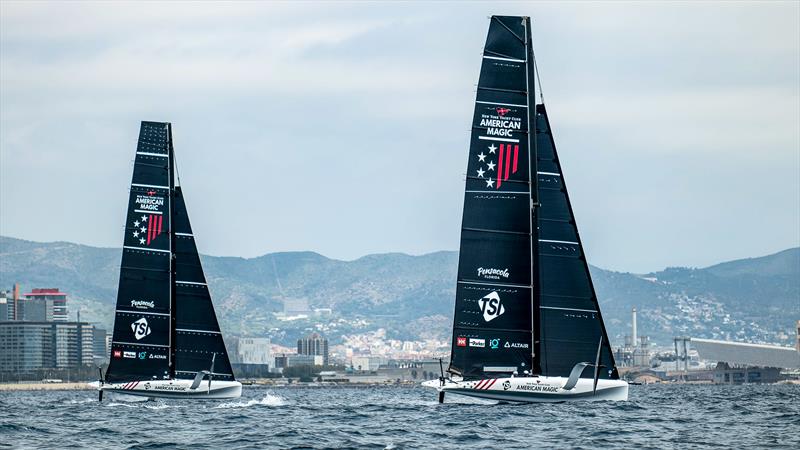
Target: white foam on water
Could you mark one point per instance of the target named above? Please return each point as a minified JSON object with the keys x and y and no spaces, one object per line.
{"x":121,"y":404}
{"x":86,"y":400}
{"x":268,"y":400}
{"x":158,"y":405}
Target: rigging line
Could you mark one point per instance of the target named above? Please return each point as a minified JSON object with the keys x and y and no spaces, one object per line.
{"x":175,"y":165}
{"x":536,"y":70}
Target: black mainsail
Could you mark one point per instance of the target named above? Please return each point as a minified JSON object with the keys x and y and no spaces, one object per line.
{"x":164,"y":324}
{"x":522,"y":304}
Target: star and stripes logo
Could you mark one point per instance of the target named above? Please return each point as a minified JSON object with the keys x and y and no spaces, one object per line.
{"x":146,"y":227}
{"x":507,"y":156}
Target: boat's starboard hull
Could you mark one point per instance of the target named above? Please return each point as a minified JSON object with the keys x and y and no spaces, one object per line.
{"x":177,"y":389}
{"x":534,"y":389}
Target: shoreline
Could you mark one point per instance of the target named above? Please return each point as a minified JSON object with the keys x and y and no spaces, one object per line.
{"x":39,"y":386}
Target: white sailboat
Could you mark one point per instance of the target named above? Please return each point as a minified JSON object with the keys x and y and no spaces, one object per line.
{"x":167,"y":341}
{"x":527,"y":324}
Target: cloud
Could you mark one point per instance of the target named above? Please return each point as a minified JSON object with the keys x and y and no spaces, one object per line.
{"x":349,"y":122}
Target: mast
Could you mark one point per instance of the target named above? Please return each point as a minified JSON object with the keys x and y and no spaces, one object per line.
{"x":172,"y":269}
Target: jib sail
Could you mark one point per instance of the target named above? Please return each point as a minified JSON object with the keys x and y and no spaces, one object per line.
{"x":140,"y":347}
{"x":492,"y":324}
{"x":198,"y":340}
{"x":571,"y":325}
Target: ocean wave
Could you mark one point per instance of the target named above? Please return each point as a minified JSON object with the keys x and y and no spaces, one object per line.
{"x":268,"y":400}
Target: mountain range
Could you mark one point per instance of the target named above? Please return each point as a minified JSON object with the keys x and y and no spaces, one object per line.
{"x":411,"y":297}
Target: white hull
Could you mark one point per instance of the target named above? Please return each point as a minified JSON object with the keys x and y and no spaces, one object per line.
{"x":177,"y":389}
{"x":534,"y":389}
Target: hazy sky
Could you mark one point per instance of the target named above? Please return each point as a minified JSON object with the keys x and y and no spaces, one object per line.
{"x":344,"y":128}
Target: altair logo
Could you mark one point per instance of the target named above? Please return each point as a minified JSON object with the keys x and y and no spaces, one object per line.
{"x":491,"y":307}
{"x":140,"y":329}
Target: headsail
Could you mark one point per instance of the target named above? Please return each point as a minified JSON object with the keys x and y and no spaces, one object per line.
{"x":571,"y":324}
{"x":492,"y":325}
{"x":142,"y":330}
{"x":198,"y":340}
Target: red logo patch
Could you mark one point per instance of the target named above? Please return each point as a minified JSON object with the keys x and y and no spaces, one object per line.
{"x":117,"y":353}
{"x":502,"y":111}
{"x":461,"y":341}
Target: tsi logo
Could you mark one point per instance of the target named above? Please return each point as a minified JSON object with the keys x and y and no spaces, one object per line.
{"x":491,"y":306}
{"x":140,"y":329}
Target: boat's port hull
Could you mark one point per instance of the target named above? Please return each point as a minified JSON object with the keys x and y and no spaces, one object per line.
{"x":535,"y":389}
{"x":177,"y":389}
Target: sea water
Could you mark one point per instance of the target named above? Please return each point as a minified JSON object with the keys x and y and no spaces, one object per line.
{"x":657,"y":416}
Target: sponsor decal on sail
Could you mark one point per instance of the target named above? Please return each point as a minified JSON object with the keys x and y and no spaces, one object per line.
{"x":516,"y":345}
{"x":150,"y":202}
{"x":475,"y":342}
{"x":117,"y":353}
{"x":497,"y":161}
{"x":127,"y":354}
{"x":461,"y":341}
{"x":491,"y":306}
{"x":494,"y":343}
{"x":142,"y":304}
{"x":492,"y":273}
{"x":150,"y":224}
{"x":141,"y":329}
{"x":494,"y":173}
{"x":156,"y":356}
{"x":142,"y":355}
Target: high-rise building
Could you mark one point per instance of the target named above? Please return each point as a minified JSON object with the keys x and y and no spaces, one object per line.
{"x":100,"y":348}
{"x":314,"y":345}
{"x":255,"y":351}
{"x":49,"y":296}
{"x":36,"y":310}
{"x":11,"y":297}
{"x":4,"y":312}
{"x":26,"y":346}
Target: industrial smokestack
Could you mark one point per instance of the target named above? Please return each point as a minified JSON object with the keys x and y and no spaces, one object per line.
{"x":634,"y":337}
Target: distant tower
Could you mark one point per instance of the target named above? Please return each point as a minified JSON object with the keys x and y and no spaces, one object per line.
{"x":798,"y":336}
{"x":17,"y":315}
{"x":634,"y":339}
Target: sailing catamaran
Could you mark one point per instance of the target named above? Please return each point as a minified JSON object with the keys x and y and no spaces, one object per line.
{"x":166,"y":338}
{"x":527,"y":321}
